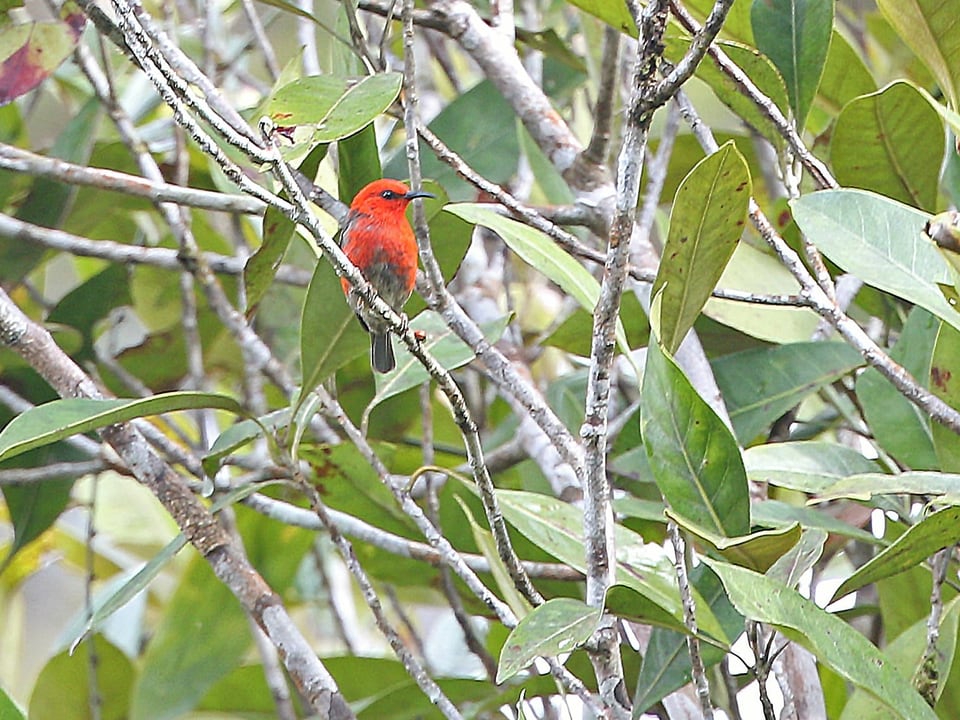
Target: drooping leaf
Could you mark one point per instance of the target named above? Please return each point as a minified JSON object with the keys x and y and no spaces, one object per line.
{"x":760,"y":385}
{"x":900,"y":427}
{"x":33,"y":508}
{"x":920,"y":541}
{"x":830,"y":639}
{"x":241,"y":433}
{"x":556,"y":627}
{"x":880,"y":241}
{"x":615,"y":14}
{"x":927,"y":27}
{"x":358,"y":162}
{"x":874,"y":145}
{"x":693,"y":455}
{"x":790,"y":567}
{"x":809,"y":466}
{"x":795,"y":35}
{"x":61,"y":419}
{"x":845,"y":76}
{"x":757,"y":550}
{"x":864,"y":486}
{"x":708,"y":217}
{"x":335,"y":106}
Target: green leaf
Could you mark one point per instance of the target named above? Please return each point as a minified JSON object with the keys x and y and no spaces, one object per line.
{"x":774,"y":513}
{"x":241,"y":433}
{"x":8,"y":708}
{"x":335,"y":106}
{"x":358,"y":162}
{"x":62,"y":690}
{"x":901,"y":428}
{"x":645,"y":568}
{"x":261,"y":267}
{"x":488,"y":142}
{"x":892,"y":163}
{"x":694,"y":457}
{"x":757,"y":550}
{"x":33,"y":509}
{"x":202,"y":636}
{"x":736,"y":26}
{"x":945,"y":384}
{"x":666,"y":662}
{"x":792,"y":565}
{"x":805,"y":466}
{"x":906,"y":653}
{"x":558,"y":626}
{"x":758,"y":68}
{"x":880,"y":241}
{"x":867,"y":485}
{"x":927,"y":27}
{"x":707,"y":219}
{"x":30,"y":52}
{"x":844,"y":77}
{"x":615,"y":14}
{"x":760,"y":385}
{"x":834,"y":642}
{"x":935,"y":532}
{"x":795,"y":35}
{"x":441,"y":342}
{"x":330,"y":335}
{"x":574,"y":333}
{"x":488,"y":546}
{"x":753,"y":270}
{"x":61,"y":419}
{"x":541,"y":253}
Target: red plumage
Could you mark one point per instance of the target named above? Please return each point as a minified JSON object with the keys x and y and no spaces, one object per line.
{"x":378,"y":239}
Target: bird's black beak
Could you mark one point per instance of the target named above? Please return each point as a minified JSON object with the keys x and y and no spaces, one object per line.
{"x":418,"y":194}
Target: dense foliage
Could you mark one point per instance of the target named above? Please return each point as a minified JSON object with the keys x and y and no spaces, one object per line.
{"x":674,"y":425}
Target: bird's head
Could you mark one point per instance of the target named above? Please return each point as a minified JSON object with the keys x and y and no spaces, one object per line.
{"x":385,"y":197}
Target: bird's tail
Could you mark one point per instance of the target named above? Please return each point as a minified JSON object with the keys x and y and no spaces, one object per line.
{"x":381,"y":352}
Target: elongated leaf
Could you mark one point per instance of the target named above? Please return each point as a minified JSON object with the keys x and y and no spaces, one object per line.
{"x":694,"y":457}
{"x":795,"y":35}
{"x":867,"y":485}
{"x":760,"y":385}
{"x":558,"y":626}
{"x":830,"y":639}
{"x":239,"y":434}
{"x":880,"y":241}
{"x":945,"y":384}
{"x":906,"y":653}
{"x":330,"y":335}
{"x":928,"y":28}
{"x":774,"y":513}
{"x":758,"y":67}
{"x":805,"y":466}
{"x":792,"y":565}
{"x":666,"y":662}
{"x":33,"y":508}
{"x":261,"y":267}
{"x":441,"y":342}
{"x":488,"y":546}
{"x":336,"y":107}
{"x":708,"y":216}
{"x":901,"y":428}
{"x":892,"y":163}
{"x":61,"y":419}
{"x":922,"y":540}
{"x":615,"y":14}
{"x":538,"y":251}
{"x":844,"y":77}
{"x":645,"y":568}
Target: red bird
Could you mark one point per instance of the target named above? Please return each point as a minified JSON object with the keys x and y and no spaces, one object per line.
{"x":379,"y":241}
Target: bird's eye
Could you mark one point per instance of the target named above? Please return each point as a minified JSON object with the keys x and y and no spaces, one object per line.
{"x":388,"y":195}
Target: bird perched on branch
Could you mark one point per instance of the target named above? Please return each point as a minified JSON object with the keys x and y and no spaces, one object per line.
{"x":378,"y":239}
